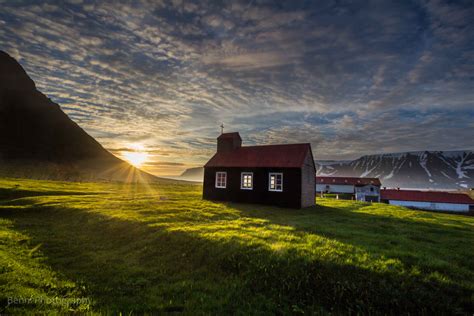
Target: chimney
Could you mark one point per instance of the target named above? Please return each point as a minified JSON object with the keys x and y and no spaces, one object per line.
{"x":228,"y":142}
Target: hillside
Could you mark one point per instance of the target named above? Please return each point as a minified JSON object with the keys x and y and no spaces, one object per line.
{"x":424,"y":169}
{"x":160,"y":248}
{"x":37,"y":139}
{"x":193,"y":174}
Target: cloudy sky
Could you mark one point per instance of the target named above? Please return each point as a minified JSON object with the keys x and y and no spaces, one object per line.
{"x":350,"y":77}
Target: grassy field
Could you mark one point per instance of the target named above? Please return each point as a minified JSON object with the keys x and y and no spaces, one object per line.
{"x":160,"y":248}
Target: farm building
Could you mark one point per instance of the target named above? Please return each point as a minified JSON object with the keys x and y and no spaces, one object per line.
{"x":361,"y":189}
{"x":429,"y":200}
{"x":281,"y":175}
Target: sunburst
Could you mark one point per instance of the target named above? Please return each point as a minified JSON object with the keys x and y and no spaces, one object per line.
{"x":137,"y":156}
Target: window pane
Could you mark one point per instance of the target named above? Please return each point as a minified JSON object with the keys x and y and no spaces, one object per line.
{"x":275,"y":182}
{"x":247,"y":181}
{"x":221,"y":178}
{"x":272,"y":182}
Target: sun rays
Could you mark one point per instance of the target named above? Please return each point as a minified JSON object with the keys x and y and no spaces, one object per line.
{"x":137,"y":157}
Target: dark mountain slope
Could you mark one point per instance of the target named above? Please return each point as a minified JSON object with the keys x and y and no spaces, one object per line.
{"x":13,"y":76}
{"x":38,"y":139}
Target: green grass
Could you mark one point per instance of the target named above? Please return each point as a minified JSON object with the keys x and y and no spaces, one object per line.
{"x":161,"y":248}
{"x":342,"y":196}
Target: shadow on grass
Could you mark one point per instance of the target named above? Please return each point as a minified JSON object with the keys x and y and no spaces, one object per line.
{"x":16,"y":193}
{"x":413,"y":240}
{"x":348,"y":220}
{"x":130,"y":266}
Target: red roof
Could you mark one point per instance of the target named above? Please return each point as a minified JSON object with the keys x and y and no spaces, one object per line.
{"x":271,"y":156}
{"x":426,"y":196}
{"x":348,"y":180}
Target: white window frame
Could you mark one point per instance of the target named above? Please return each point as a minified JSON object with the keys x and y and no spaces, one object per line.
{"x":242,"y":174}
{"x":218,"y":173}
{"x":270,"y":183}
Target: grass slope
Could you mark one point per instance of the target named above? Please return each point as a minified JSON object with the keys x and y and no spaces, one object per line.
{"x":139,"y":248}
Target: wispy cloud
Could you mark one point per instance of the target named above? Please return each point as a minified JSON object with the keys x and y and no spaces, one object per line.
{"x":165,"y":74}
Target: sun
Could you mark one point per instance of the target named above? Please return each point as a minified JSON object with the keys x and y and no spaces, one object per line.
{"x":137,"y":157}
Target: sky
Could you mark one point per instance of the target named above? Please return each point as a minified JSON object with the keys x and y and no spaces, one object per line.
{"x":350,"y":77}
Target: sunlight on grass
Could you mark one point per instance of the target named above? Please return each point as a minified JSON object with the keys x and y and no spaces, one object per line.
{"x":159,"y":246}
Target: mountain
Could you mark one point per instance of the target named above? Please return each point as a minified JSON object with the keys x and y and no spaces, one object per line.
{"x":423,"y":169}
{"x":193,"y":174}
{"x":37,"y":139}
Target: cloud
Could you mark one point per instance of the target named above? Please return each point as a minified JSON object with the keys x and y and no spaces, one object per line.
{"x":167,"y":74}
{"x":251,"y":61}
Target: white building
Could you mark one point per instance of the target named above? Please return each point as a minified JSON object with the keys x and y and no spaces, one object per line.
{"x":429,"y":200}
{"x":361,"y":189}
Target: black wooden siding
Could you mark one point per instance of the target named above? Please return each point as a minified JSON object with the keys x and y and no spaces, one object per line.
{"x":290,"y":197}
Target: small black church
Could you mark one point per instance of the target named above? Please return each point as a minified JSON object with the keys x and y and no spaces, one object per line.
{"x":282,"y":175}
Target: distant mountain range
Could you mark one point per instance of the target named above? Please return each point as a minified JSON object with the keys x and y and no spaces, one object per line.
{"x":38,"y":140}
{"x":423,"y":169}
{"x":193,"y":174}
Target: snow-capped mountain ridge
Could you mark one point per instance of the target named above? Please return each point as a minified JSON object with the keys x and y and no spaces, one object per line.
{"x":418,"y":169}
{"x":452,"y":154}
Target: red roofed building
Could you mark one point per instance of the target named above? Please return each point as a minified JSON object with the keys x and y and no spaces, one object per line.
{"x":429,"y":200}
{"x":280,"y":175}
{"x":361,"y":189}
